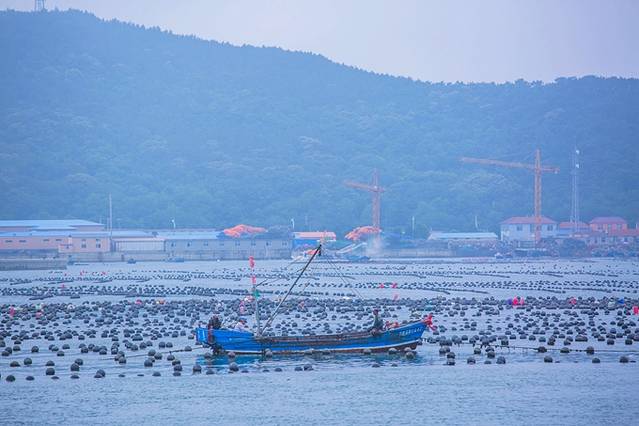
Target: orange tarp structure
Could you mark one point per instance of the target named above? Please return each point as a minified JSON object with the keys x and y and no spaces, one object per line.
{"x":241,"y":230}
{"x":362,"y":232}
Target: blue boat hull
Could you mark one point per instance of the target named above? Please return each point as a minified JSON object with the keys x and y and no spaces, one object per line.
{"x":240,"y":342}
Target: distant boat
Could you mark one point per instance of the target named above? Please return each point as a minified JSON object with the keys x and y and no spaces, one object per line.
{"x":357,"y":259}
{"x":242,"y":342}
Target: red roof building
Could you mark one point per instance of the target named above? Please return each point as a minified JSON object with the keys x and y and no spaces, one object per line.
{"x":568,"y":225}
{"x":527,"y":220}
{"x":624,"y":236}
{"x":608,"y":223}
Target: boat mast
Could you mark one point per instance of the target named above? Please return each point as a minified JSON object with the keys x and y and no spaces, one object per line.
{"x":255,"y":296}
{"x":317,"y":251}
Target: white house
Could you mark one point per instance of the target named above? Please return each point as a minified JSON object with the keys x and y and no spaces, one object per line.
{"x":522,"y":229}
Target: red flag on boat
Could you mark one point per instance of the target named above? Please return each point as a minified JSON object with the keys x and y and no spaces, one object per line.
{"x":429,"y":322}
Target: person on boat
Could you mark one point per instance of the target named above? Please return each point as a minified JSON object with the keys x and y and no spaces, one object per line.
{"x":241,"y":325}
{"x":378,"y":324}
{"x":215,"y":323}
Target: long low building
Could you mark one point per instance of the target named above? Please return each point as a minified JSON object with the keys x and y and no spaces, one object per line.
{"x":52,"y":236}
{"x":138,"y":244}
{"x":214,"y":245}
{"x":78,"y":240}
{"x":487,"y":238}
{"x":54,"y":241}
{"x":65,"y":225}
{"x":313,"y":238}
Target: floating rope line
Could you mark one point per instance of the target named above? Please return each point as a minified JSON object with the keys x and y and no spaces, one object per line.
{"x":536,"y":348}
{"x":341,"y":276}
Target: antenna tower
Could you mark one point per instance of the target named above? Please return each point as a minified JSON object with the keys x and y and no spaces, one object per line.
{"x":38,"y":6}
{"x":574,"y":207}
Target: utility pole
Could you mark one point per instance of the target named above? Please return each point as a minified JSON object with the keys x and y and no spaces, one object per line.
{"x":574,"y":208}
{"x":413,"y":226}
{"x":110,"y":224}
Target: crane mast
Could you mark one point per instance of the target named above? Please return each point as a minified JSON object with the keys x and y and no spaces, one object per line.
{"x":376,"y":194}
{"x":537,"y":168}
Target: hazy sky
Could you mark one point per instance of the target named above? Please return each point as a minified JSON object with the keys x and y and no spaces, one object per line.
{"x":435,"y":40}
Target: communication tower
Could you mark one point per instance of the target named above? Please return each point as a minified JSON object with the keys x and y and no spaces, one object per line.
{"x":574,"y":207}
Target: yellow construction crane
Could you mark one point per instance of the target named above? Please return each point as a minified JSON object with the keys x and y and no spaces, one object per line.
{"x":536,"y":168}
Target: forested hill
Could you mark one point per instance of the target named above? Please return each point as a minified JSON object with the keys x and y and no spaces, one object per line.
{"x":212,"y":135}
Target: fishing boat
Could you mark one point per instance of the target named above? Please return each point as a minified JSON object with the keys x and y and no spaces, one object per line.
{"x":240,"y":342}
{"x":243,"y":342}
